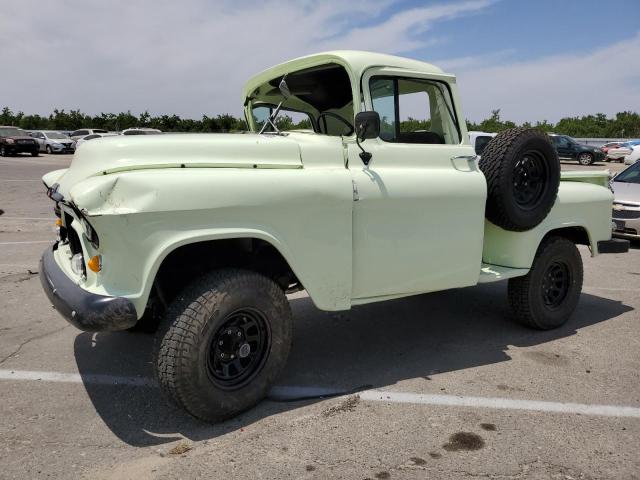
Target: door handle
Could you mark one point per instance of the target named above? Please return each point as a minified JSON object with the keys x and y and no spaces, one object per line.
{"x":464,"y":163}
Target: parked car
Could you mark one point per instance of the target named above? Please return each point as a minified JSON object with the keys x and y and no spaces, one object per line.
{"x":14,"y":140}
{"x":141,"y":131}
{"x":53,"y":142}
{"x":619,"y":153}
{"x":94,"y":136}
{"x":608,"y":146}
{"x":203,"y":235}
{"x":569,"y":149}
{"x":479,"y":140}
{"x":78,"y":134}
{"x":633,"y":156}
{"x":626,"y":204}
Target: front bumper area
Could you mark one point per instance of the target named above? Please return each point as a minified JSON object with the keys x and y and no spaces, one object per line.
{"x":85,"y":310}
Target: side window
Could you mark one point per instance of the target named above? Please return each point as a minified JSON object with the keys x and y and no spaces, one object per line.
{"x":561,"y":142}
{"x":414,"y":111}
{"x":80,"y":133}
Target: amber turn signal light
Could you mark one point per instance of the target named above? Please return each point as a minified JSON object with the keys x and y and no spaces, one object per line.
{"x":58,"y":222}
{"x":95,"y":263}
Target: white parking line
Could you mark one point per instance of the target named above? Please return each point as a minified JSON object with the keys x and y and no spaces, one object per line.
{"x":27,"y":242}
{"x":42,"y":219}
{"x":291,"y":392}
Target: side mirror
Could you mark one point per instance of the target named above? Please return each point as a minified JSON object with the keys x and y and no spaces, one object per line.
{"x":367,"y":125}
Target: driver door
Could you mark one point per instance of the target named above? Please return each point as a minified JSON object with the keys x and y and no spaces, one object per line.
{"x":418,"y":216}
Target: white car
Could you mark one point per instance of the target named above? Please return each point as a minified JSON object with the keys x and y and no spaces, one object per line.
{"x":633,"y":156}
{"x":141,"y":131}
{"x":622,"y":151}
{"x":83,"y":132}
{"x":93,"y":136}
{"x":479,"y":140}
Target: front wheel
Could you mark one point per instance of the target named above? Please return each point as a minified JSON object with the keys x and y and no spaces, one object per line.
{"x":546,"y":297}
{"x":585,"y":159}
{"x":48,"y":150}
{"x":223,"y":344}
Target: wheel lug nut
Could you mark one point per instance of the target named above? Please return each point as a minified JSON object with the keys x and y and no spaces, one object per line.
{"x":233,"y":356}
{"x":222,"y":355}
{"x":239,"y":334}
{"x":220,"y":343}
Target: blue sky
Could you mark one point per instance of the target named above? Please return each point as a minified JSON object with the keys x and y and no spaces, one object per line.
{"x":533,"y":59}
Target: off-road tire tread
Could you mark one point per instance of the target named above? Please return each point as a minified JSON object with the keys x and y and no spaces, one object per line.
{"x":492,"y":163}
{"x":519,"y":287}
{"x":186,"y":316}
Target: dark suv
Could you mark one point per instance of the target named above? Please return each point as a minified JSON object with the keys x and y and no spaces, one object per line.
{"x":15,"y":140}
{"x":569,"y":149}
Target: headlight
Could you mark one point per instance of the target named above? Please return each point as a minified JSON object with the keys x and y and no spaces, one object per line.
{"x":10,"y":140}
{"x":77,"y":264}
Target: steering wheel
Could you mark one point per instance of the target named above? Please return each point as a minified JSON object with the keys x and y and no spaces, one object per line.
{"x":338,"y":117}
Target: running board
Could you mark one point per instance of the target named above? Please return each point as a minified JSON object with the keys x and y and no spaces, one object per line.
{"x":494,"y":273}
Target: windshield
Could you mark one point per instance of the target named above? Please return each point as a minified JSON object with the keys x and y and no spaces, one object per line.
{"x":630,"y":175}
{"x":12,"y":132}
{"x":56,"y":136}
{"x":319,"y":99}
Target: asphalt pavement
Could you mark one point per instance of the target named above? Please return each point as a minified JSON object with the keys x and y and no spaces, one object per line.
{"x":442,"y":385}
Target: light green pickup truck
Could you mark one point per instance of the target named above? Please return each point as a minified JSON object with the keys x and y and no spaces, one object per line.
{"x":380,"y":196}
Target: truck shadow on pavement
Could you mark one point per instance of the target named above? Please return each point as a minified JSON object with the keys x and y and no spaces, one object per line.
{"x":373,"y":345}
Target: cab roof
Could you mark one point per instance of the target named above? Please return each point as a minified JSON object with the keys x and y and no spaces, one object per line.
{"x":355,"y":62}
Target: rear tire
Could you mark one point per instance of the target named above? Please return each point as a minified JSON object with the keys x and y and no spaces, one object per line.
{"x":225,"y":340}
{"x":35,"y":154}
{"x":546,"y":297}
{"x":523,"y":175}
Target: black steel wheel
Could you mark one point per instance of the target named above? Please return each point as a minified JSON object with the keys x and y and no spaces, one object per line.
{"x":238,"y":349}
{"x":530,"y":180}
{"x":546,"y":297}
{"x":556,"y":281}
{"x":224,"y":341}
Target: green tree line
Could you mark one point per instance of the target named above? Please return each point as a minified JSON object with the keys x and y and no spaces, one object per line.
{"x":623,"y":124}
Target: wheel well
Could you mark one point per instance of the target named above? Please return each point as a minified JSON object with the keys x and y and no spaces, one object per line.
{"x":577,"y":235}
{"x":186,"y":263}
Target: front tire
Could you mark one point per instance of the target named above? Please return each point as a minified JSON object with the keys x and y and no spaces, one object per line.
{"x":546,"y":297}
{"x":48,"y":150}
{"x":3,"y":151}
{"x":224,"y":342}
{"x":585,"y":159}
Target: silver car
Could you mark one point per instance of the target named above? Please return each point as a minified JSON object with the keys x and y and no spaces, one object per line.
{"x":53,"y":142}
{"x":626,"y":204}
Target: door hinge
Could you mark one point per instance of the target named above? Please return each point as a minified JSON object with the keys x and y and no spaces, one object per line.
{"x":356,"y":197}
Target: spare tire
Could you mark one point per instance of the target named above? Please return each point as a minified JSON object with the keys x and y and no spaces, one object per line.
{"x":523,"y":175}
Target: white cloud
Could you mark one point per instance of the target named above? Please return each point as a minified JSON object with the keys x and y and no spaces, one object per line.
{"x":190,"y":57}
{"x":606,"y":80}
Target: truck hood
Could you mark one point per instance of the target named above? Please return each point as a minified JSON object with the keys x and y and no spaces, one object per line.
{"x":108,"y":155}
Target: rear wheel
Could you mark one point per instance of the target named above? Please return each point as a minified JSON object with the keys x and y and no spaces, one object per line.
{"x":35,"y":154}
{"x":546,"y":297}
{"x":585,"y":159}
{"x":225,"y":340}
